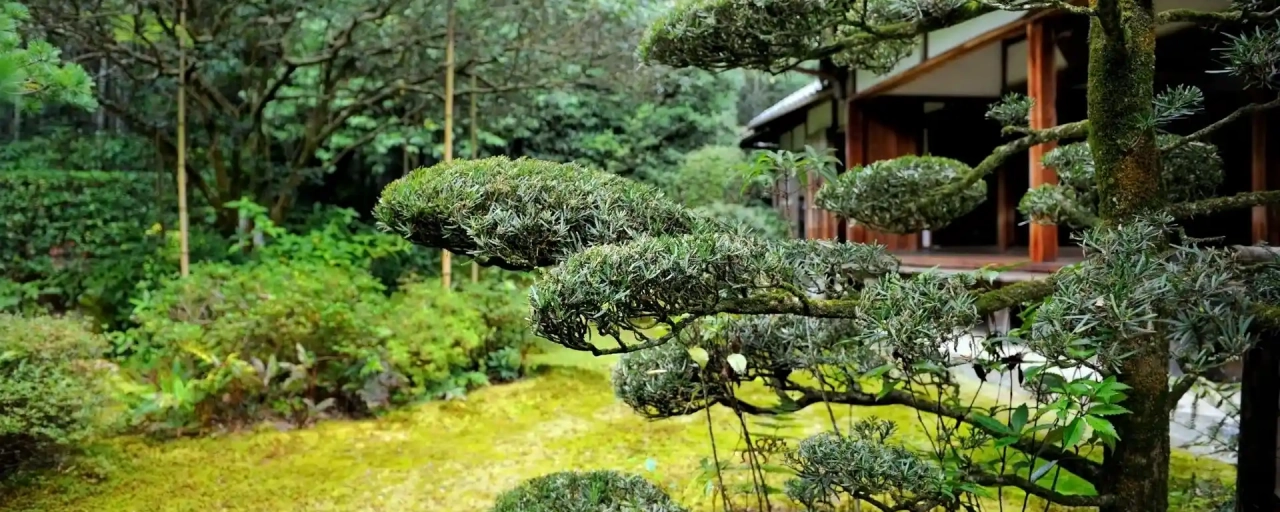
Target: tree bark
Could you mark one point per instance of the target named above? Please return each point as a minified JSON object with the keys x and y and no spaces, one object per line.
{"x":1259,"y":398}
{"x":1121,"y":89}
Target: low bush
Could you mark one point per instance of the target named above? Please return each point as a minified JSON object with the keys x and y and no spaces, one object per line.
{"x":592,"y":491}
{"x":51,"y":393}
{"x":298,"y":340}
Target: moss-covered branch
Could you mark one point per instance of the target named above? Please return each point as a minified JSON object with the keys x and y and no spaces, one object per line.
{"x":1222,"y":204}
{"x":1214,"y":18}
{"x":1080,"y":466}
{"x":1007,"y":150}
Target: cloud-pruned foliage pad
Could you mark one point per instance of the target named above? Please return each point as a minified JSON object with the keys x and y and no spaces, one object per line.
{"x":741,"y":33}
{"x":830,"y":466}
{"x":522,"y":214}
{"x":591,"y":491}
{"x":663,"y":382}
{"x":664,"y":278}
{"x":1189,"y":172}
{"x":897,"y":195}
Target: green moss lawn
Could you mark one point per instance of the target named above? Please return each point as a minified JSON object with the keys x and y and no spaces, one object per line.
{"x":443,"y":456}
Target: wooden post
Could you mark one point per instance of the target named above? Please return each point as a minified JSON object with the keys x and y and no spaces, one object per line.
{"x":1042,"y":78}
{"x":184,"y":251}
{"x":1004,"y":212}
{"x":1261,"y":231}
{"x":1259,"y":404}
{"x":854,"y":156}
{"x":446,"y":259}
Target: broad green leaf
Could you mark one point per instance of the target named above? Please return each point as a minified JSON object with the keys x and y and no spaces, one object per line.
{"x":699,"y":356}
{"x":1103,"y":428}
{"x":738,"y":362}
{"x":1072,"y":433}
{"x":1019,"y":418}
{"x":1107,"y":410}
{"x":1043,"y":470}
{"x":991,"y":424}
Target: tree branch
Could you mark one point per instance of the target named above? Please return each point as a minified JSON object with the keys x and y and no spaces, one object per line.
{"x":1214,"y":18}
{"x":1070,"y":500}
{"x":1222,"y":204}
{"x":1080,"y":466}
{"x":1009,"y":149}
{"x":1203,"y":132}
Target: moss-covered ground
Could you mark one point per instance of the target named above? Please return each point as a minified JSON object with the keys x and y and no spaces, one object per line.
{"x":453,"y":456}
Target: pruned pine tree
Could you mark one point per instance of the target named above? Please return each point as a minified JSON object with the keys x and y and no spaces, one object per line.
{"x":699,"y":308}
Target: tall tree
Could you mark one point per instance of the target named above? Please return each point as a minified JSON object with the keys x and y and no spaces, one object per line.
{"x":825,"y":323}
{"x":283,"y":91}
{"x":32,"y":71}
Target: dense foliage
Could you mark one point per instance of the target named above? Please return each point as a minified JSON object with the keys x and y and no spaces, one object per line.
{"x":700,"y":314}
{"x":74,"y":239}
{"x":593,"y":491}
{"x":52,"y":388}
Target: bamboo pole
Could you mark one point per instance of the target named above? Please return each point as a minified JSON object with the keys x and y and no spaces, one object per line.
{"x":184,"y":259}
{"x":446,"y":259}
{"x":475,"y":154}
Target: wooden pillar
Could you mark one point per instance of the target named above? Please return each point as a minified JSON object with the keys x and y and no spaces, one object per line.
{"x":1262,"y":231}
{"x":1042,"y":78}
{"x":1005,"y":211}
{"x":854,"y":156}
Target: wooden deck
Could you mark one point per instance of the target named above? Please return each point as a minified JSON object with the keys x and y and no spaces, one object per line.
{"x":960,"y":259}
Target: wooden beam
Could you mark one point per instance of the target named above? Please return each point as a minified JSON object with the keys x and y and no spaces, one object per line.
{"x":1261,"y":231}
{"x":1042,"y":78}
{"x":942,"y":59}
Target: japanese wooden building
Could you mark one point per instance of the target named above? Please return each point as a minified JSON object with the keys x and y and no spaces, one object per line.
{"x":934,"y":102}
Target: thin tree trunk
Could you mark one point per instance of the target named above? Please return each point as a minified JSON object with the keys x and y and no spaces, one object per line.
{"x":475,"y":154}
{"x":1121,"y":90}
{"x":184,"y":258}
{"x":1259,"y":398}
{"x":446,"y":259}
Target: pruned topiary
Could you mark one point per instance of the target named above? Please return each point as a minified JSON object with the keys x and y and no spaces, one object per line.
{"x":662,"y":278}
{"x":523,"y":214}
{"x":830,"y":466}
{"x":897,"y":195}
{"x":590,"y":491}
{"x":749,"y":33}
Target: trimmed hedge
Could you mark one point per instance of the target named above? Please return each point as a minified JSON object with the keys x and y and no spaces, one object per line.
{"x":55,"y":224}
{"x":590,"y":491}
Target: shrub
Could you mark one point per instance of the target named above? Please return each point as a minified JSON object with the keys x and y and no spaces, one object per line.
{"x":49,"y":397}
{"x":708,"y":175}
{"x":592,"y":491}
{"x":435,"y":339}
{"x":80,"y":238}
{"x":236,"y":343}
{"x":297,"y":340}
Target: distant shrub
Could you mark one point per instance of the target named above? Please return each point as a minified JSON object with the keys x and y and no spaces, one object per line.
{"x":50,"y":388}
{"x":300,"y":340}
{"x":708,"y":175}
{"x":80,"y":237}
{"x":592,"y":491}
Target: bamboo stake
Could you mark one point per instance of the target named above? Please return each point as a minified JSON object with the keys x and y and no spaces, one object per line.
{"x":184,"y":260}
{"x":475,"y":154}
{"x":446,"y":259}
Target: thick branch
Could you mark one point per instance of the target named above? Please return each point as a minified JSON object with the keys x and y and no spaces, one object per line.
{"x":1080,"y":466}
{"x":1016,"y":147}
{"x":1222,"y":204}
{"x":1180,"y":388}
{"x":1214,"y":18}
{"x":1070,"y":500}
{"x":786,"y":303}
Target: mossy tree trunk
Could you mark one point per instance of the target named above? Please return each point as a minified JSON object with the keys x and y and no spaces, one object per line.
{"x":1121,"y":90}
